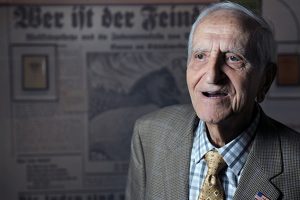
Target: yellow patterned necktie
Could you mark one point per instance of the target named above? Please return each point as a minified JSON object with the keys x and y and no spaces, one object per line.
{"x":212,"y":188}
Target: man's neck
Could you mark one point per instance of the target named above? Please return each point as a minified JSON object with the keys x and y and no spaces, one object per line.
{"x":222,"y":133}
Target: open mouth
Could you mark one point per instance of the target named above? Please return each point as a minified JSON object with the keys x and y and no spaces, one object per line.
{"x":214,"y":94}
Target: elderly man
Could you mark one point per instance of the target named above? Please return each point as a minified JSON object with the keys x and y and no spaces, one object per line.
{"x":223,"y":146}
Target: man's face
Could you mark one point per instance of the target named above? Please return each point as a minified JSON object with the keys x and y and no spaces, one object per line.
{"x":221,"y":81}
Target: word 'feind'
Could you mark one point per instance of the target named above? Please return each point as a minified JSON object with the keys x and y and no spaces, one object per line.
{"x":153,"y":18}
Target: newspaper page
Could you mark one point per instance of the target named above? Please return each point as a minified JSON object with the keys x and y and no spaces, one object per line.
{"x":97,"y":68}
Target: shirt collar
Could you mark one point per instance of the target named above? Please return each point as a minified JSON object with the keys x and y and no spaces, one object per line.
{"x":234,"y":153}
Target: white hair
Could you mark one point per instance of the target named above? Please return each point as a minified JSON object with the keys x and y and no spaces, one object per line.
{"x":263,"y":47}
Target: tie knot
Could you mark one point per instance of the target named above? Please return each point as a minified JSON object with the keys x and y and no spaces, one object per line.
{"x":215,"y":162}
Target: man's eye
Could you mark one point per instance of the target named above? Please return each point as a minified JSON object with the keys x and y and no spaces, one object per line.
{"x":234,"y":58}
{"x":199,"y":56}
{"x":234,"y":61}
{"x":231,"y":57}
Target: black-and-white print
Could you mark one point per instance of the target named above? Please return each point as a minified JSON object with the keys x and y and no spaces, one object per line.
{"x":124,"y":86}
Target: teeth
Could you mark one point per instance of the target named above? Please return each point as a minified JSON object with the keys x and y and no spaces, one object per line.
{"x":214,"y":94}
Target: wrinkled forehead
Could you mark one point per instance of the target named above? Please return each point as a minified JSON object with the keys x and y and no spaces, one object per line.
{"x":230,"y":27}
{"x":229,"y":18}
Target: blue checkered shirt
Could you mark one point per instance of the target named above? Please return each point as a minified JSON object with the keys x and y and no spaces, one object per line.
{"x":234,"y":153}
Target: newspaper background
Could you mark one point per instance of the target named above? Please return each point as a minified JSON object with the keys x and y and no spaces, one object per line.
{"x":114,"y":63}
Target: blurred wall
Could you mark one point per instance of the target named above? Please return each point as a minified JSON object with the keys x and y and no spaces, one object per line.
{"x":283,"y":101}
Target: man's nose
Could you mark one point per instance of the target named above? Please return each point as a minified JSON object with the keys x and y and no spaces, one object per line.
{"x":214,"y":73}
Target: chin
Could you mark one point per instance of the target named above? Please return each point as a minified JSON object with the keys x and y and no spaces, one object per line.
{"x":213,"y":118}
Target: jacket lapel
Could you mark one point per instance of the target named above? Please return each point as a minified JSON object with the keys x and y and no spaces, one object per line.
{"x":263,"y":164}
{"x":177,"y":161}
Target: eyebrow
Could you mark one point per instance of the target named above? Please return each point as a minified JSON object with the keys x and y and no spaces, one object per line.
{"x":236,"y":50}
{"x":199,"y":49}
{"x":240,"y":51}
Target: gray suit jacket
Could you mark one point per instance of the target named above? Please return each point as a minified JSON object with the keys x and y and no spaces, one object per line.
{"x":160,"y":158}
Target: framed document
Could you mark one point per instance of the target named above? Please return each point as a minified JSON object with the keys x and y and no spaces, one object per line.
{"x":34,"y":72}
{"x":287,"y":81}
{"x":288,"y":73}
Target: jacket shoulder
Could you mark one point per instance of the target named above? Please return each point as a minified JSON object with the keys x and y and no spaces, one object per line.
{"x":169,"y":113}
{"x":167,"y":118}
{"x":285,"y":133}
{"x":156,"y":128}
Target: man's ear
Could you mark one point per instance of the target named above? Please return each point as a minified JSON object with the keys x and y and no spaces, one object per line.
{"x":269,"y":76}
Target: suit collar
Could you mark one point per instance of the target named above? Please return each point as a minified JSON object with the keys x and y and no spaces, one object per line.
{"x":264,"y":163}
